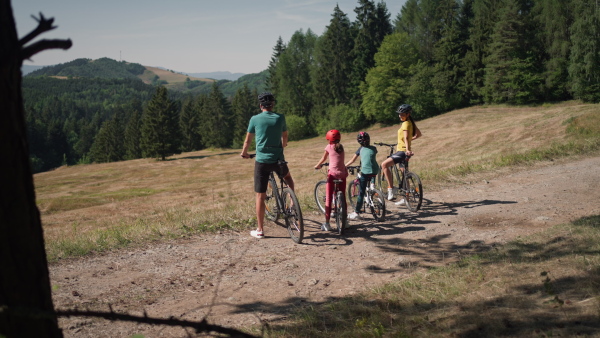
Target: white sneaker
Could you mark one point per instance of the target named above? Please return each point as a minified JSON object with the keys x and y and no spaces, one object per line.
{"x":390,"y":194}
{"x":354,"y":215}
{"x":257,"y":234}
{"x":402,"y":202}
{"x":326,"y":226}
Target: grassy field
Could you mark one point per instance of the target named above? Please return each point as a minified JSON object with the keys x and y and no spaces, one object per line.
{"x":91,"y":208}
{"x":170,"y":77}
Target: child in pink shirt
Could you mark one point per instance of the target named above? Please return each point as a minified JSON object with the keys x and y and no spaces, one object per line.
{"x":337,"y":171}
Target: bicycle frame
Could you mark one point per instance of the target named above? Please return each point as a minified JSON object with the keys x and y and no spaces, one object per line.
{"x":289,"y":209}
{"x":337,"y":199}
{"x":377,"y":208}
{"x":411,"y":192}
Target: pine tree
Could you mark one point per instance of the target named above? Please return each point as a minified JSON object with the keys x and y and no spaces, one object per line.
{"x":160,"y":128}
{"x":585,"y":53}
{"x":108,"y":144}
{"x":133,"y":136}
{"x":218,"y":120}
{"x":481,"y":28}
{"x":449,"y":51}
{"x":510,"y":70}
{"x":188,"y":124}
{"x":554,"y":18}
{"x":271,"y":82}
{"x":244,"y":105}
{"x":295,"y":95}
{"x":366,"y":43}
{"x":333,"y":63}
{"x":383,"y":25}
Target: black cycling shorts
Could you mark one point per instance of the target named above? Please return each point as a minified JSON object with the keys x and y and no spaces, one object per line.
{"x":399,"y":157}
{"x":262,"y":172}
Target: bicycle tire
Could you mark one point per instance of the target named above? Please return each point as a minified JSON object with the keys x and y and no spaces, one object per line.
{"x":341,"y":215}
{"x":377,"y":204}
{"x":271,"y":207}
{"x":320,"y":195}
{"x":353,"y":192}
{"x":414,"y":192}
{"x":293,"y":215}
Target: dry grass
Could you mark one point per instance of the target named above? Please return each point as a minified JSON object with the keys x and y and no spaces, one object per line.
{"x":99,"y":206}
{"x":168,"y":76}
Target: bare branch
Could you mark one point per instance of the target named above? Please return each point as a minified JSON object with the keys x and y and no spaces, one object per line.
{"x":39,"y":46}
{"x":44,"y":25}
{"x":202,"y":326}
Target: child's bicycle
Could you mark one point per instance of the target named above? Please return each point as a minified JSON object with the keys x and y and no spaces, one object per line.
{"x":282,"y":201}
{"x":408,"y":184}
{"x":338,"y":202}
{"x":373,"y":200}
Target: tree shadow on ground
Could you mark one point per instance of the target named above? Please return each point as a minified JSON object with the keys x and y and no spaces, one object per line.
{"x":564,"y":306}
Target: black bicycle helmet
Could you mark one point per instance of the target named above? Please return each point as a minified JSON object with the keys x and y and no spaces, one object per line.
{"x":266,"y":99}
{"x":363,"y":138}
{"x":405,"y":108}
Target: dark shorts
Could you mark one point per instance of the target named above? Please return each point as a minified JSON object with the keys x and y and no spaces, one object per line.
{"x":262,"y":172}
{"x":399,"y":157}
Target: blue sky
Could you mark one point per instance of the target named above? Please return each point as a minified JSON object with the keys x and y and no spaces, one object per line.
{"x":190,"y":36}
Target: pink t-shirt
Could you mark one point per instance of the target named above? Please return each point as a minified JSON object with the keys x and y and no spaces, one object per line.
{"x":337,"y":168}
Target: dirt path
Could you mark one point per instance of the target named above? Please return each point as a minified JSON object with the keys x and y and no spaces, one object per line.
{"x":237,"y":281}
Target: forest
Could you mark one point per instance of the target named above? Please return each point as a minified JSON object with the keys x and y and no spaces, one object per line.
{"x":437,"y":55}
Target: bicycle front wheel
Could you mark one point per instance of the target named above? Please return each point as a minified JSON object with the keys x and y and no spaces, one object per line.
{"x":320,"y":195}
{"x":353,"y":191}
{"x":271,"y":207}
{"x":377,"y":204}
{"x":414,"y":192}
{"x":293,"y":215}
{"x":341,"y":216}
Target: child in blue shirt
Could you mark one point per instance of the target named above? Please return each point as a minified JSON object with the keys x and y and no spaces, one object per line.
{"x":368,"y":167}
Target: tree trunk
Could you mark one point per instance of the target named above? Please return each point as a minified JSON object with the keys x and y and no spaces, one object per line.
{"x":26,"y":308}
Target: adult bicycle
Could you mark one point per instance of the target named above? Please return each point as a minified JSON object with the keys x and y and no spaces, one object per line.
{"x":282,"y":202}
{"x":407,"y":184}
{"x":338,"y":206}
{"x":374,"y":201}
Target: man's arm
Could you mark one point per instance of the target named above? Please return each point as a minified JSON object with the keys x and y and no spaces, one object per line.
{"x":284,"y":139}
{"x":249,"y":137}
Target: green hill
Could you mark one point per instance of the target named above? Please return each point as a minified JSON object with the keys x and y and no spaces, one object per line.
{"x":106,"y":68}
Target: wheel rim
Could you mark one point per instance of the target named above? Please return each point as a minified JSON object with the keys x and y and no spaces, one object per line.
{"x":293,"y":217}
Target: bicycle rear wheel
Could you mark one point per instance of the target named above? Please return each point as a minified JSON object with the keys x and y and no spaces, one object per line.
{"x":320,"y":194}
{"x":293,"y":215}
{"x":271,"y":207}
{"x":414,"y":192}
{"x":353,"y":191}
{"x":377,"y":204}
{"x":341,"y":216}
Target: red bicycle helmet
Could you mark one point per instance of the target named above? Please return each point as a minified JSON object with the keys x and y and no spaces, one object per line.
{"x":333,"y":135}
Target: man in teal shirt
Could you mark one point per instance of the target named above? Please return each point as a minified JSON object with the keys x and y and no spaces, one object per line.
{"x":270,"y":132}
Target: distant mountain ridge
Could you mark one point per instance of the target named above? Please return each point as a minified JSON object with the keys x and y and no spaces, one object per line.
{"x":26,"y":69}
{"x":194,"y":83}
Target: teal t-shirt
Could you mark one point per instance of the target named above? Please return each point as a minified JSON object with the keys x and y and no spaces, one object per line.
{"x":267,"y":128}
{"x":368,"y":160}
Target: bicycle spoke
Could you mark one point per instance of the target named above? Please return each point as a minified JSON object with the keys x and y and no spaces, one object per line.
{"x":293,"y":215}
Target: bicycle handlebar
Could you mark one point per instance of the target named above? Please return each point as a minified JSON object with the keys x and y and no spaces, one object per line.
{"x":385,"y":144}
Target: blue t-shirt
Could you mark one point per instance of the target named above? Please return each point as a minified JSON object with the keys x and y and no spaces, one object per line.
{"x":267,"y":128}
{"x":368,"y":160}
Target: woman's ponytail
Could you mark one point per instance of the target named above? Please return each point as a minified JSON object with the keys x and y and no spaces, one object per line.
{"x":414,"y":125}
